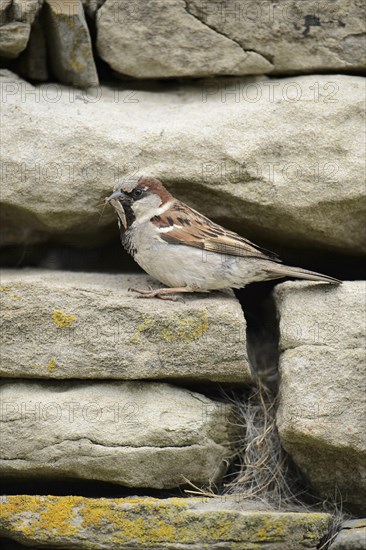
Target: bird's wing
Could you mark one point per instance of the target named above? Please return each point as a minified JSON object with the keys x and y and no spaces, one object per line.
{"x":183,"y":225}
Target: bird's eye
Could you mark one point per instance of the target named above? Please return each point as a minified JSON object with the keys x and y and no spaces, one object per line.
{"x":137,"y":193}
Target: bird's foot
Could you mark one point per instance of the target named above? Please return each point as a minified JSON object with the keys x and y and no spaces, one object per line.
{"x":162,"y":293}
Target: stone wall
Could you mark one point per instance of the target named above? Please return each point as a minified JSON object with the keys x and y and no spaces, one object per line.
{"x":222,"y":421}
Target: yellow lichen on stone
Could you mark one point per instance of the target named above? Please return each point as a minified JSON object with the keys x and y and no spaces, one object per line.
{"x":181,"y":503}
{"x":59,"y":515}
{"x":187,"y":328}
{"x":131,"y":529}
{"x":270,"y":531}
{"x":96,"y":513}
{"x":62,"y":320}
{"x":143,"y":519}
{"x":6,"y":288}
{"x":184,"y":328}
{"x":147,"y":522}
{"x":164,"y":531}
{"x":147,"y":324}
{"x":277,"y":528}
{"x":221,"y":528}
{"x":74,"y":63}
{"x":50,"y":515}
{"x":51,"y":365}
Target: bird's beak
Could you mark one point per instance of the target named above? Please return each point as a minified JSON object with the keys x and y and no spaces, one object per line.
{"x":117,"y":195}
{"x":114,"y":200}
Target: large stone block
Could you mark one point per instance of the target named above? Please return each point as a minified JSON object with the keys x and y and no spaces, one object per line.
{"x":321,"y":416}
{"x":76,"y":325}
{"x":69,"y":43}
{"x":227,"y":37}
{"x":16,"y":17}
{"x":137,"y":434}
{"x":13,"y":39}
{"x":270,"y":159}
{"x":156,"y":524}
{"x":352,"y":536}
{"x":196,"y":50}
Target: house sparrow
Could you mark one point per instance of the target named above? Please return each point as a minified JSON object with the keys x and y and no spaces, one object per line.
{"x":186,"y":251}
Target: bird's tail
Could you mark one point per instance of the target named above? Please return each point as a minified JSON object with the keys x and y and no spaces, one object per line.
{"x":299,"y":273}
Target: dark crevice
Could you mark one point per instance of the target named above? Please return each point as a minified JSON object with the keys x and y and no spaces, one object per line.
{"x":83,"y":488}
{"x":262,"y":330}
{"x":105,"y":72}
{"x":290,"y":491}
{"x":274,"y":75}
{"x":267,"y":467}
{"x":7,"y":15}
{"x":8,"y":544}
{"x":109,"y":257}
{"x":36,"y":46}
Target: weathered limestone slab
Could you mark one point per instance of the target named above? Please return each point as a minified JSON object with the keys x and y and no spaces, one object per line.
{"x":76,"y":325}
{"x":125,"y":29}
{"x":69,"y":43}
{"x":227,"y":37}
{"x":352,"y":536}
{"x":13,"y":39}
{"x":321,"y":416}
{"x":270,"y":159}
{"x":16,"y":17}
{"x":137,"y":434}
{"x":155,"y":524}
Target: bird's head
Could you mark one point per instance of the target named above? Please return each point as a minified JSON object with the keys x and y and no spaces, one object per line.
{"x":139,"y":199}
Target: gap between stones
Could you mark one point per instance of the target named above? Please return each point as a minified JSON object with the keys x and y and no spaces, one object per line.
{"x":8,"y":544}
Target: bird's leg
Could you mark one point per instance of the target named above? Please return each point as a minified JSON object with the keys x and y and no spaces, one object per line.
{"x":162,"y":293}
{"x":140,"y":290}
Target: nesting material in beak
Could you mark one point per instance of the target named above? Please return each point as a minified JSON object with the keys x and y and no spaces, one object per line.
{"x":114,"y":201}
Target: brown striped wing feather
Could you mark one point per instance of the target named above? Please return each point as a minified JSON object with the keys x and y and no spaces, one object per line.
{"x":191,"y":228}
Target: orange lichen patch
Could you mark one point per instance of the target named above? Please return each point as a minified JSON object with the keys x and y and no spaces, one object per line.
{"x":62,"y":320}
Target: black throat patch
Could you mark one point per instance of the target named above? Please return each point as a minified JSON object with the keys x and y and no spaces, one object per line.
{"x":130,"y":216}
{"x":125,"y":233}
